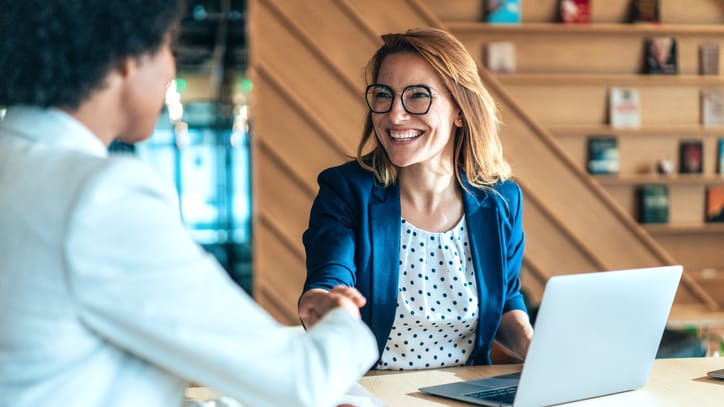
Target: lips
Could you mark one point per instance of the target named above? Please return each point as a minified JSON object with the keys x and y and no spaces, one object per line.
{"x":404,"y":135}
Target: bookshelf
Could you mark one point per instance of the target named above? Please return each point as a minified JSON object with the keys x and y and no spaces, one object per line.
{"x":563,"y":74}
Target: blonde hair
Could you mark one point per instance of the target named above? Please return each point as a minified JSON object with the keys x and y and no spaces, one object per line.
{"x":478,"y":151}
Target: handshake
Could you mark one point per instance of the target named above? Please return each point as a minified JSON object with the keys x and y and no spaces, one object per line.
{"x":316,"y":302}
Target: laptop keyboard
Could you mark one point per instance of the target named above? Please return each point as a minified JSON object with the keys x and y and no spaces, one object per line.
{"x":502,"y":395}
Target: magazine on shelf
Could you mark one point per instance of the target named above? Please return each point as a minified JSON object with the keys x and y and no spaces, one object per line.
{"x":660,"y":56}
{"x":714,"y":203}
{"x":712,"y":107}
{"x":500,"y":56}
{"x":502,"y":11}
{"x":653,"y":203}
{"x":603,"y":155}
{"x":575,"y":11}
{"x":645,"y":11}
{"x":624,"y":107}
{"x":709,"y":59}
{"x":691,"y":157}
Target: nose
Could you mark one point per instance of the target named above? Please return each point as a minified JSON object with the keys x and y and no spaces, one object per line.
{"x":398,"y":112}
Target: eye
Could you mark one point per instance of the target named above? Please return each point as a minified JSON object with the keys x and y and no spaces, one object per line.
{"x":382,"y":94}
{"x":418,"y":93}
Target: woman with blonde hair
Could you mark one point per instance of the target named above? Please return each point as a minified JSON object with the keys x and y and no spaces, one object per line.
{"x":426,"y":222}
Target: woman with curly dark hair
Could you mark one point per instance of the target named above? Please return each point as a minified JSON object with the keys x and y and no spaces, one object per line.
{"x":105,"y":300}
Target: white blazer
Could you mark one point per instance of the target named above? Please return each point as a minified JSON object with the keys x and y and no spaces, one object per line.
{"x":105,"y":300}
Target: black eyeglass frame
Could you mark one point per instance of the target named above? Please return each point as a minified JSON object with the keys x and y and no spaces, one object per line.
{"x":430,"y":90}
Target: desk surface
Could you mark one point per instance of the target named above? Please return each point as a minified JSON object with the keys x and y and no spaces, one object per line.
{"x":673,"y":382}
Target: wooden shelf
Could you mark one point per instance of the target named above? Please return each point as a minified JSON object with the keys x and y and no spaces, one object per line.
{"x":673,"y":179}
{"x":677,"y":131}
{"x":674,"y":229}
{"x":715,"y":30}
{"x":637,"y":80}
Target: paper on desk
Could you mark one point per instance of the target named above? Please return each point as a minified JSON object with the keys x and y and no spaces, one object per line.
{"x":358,"y":396}
{"x":216,"y":402}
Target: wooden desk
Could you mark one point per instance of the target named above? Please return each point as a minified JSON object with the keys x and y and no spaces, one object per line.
{"x":673,"y":382}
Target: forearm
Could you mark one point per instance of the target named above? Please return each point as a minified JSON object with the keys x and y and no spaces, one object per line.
{"x":515,"y":332}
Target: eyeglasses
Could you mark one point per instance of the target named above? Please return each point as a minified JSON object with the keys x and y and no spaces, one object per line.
{"x":416,"y":99}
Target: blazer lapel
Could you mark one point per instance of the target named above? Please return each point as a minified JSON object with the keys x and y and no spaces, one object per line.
{"x":385,"y":215}
{"x":485,"y":241}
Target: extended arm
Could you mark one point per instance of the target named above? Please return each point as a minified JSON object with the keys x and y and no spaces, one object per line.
{"x":141,"y":283}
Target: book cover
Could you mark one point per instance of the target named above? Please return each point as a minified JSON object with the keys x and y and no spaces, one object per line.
{"x":653,"y":203}
{"x":645,"y":11}
{"x":720,"y":155}
{"x":709,"y":59}
{"x":575,"y":11}
{"x":660,"y":55}
{"x":502,"y":11}
{"x":500,"y":56}
{"x":712,"y":107}
{"x":691,"y":157}
{"x":603,"y":155}
{"x":715,"y":203}
{"x":624,"y":107}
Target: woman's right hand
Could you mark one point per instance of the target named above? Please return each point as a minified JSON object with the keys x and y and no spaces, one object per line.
{"x":315,"y":303}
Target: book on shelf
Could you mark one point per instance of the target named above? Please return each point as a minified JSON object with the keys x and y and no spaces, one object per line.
{"x":500,"y":56}
{"x":691,"y":157}
{"x":712,"y":107}
{"x":602,"y":155}
{"x":714,"y":203}
{"x":645,"y":11}
{"x":653,"y":203}
{"x":660,"y":55}
{"x":720,"y":157}
{"x":575,"y":11}
{"x":502,"y":11}
{"x":709,"y":59}
{"x":624,"y":107}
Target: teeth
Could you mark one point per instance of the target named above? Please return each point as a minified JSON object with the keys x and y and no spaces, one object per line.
{"x":404,"y":134}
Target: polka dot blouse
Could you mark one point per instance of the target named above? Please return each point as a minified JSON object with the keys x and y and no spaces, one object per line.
{"x":437,"y":301}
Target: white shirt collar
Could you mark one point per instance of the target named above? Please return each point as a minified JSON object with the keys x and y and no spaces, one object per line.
{"x":53,"y":127}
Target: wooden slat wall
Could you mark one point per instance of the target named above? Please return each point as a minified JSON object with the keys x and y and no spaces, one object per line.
{"x":307,"y":59}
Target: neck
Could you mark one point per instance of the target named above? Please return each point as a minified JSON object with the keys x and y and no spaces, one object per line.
{"x":100,"y":111}
{"x":427,"y":187}
{"x":430,"y":199}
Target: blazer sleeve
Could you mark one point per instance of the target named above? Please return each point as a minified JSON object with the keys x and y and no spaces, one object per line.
{"x":140,"y":282}
{"x":515,"y":245}
{"x":330,"y":240}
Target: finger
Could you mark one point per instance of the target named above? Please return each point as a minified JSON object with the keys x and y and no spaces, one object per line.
{"x":351,"y":293}
{"x":310,"y":320}
{"x":310,"y":300}
{"x":317,"y":303}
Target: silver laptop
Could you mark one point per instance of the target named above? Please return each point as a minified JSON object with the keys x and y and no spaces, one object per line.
{"x":595,"y":334}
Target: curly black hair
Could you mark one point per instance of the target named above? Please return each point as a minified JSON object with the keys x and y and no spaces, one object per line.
{"x":56,"y":52}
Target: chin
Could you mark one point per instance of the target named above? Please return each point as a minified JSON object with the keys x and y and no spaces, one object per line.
{"x":135,"y":138}
{"x":402,"y":163}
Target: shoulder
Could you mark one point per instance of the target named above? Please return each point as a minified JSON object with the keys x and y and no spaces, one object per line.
{"x":110,"y":180}
{"x":349,"y":176}
{"x":508,"y":191}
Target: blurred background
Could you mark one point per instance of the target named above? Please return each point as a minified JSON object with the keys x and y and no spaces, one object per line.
{"x":201,"y":141}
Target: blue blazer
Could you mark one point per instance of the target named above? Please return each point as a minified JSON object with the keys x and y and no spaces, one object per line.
{"x":353,"y":239}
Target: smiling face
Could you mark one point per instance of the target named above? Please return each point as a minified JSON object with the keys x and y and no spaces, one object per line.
{"x":410,"y":139}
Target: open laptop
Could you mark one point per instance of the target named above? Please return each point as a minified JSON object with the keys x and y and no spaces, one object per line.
{"x":595,"y":334}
